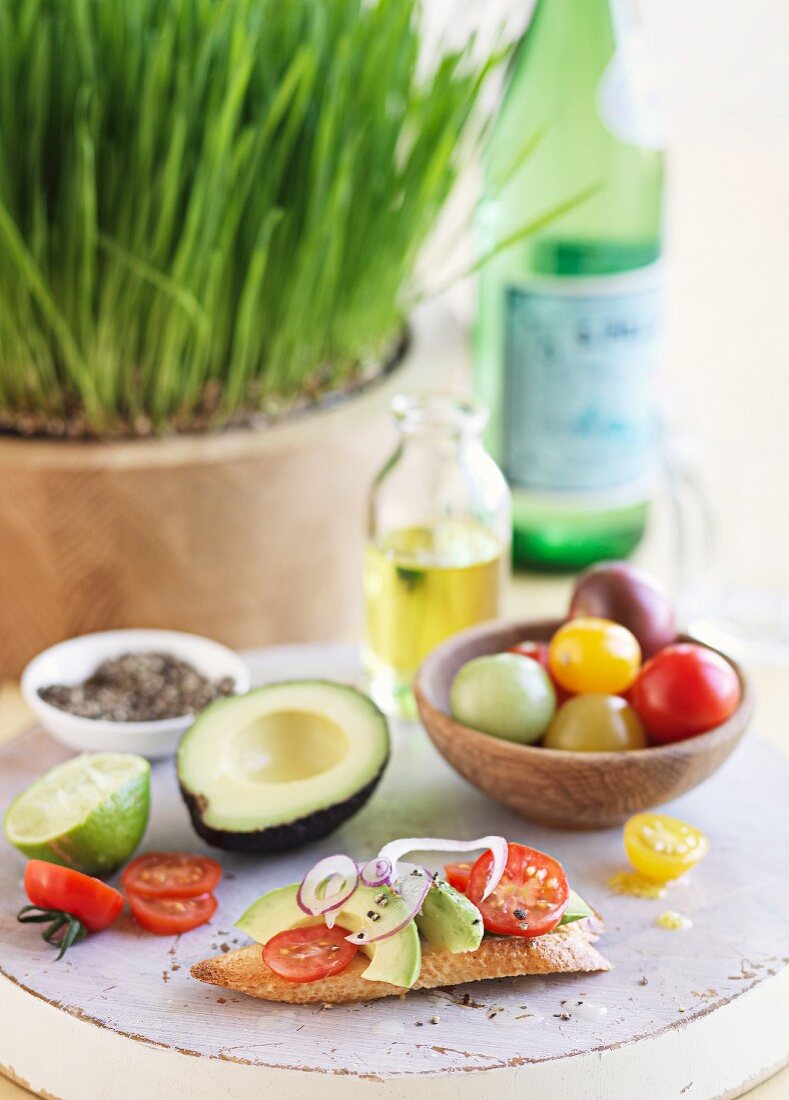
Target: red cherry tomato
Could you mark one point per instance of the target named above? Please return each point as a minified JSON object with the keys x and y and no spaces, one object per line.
{"x":171,"y":875}
{"x":529,"y":900}
{"x":310,"y":953}
{"x":171,"y":916}
{"x":684,"y":690}
{"x":457,"y":875}
{"x":538,"y":651}
{"x":88,"y":899}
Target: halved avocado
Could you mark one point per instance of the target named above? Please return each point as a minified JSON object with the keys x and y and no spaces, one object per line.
{"x":282,"y":765}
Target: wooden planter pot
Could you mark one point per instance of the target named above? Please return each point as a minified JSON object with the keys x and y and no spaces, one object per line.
{"x":249,"y":537}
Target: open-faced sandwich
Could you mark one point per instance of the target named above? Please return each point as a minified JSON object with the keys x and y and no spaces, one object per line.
{"x":355,"y":933}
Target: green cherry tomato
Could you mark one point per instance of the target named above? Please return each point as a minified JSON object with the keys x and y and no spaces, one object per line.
{"x":505,"y":696}
{"x":596,"y":723}
{"x":594,"y":655}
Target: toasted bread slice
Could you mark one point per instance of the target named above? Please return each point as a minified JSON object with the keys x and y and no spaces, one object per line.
{"x":568,"y":950}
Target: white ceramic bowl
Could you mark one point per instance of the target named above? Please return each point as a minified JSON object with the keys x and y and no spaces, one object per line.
{"x":75,"y":660}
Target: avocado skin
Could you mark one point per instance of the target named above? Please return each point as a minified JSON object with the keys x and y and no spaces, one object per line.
{"x":283,"y":837}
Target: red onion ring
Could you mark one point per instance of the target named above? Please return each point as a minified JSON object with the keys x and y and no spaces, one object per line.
{"x":376,"y":872}
{"x":339,"y":877}
{"x":497,"y":845}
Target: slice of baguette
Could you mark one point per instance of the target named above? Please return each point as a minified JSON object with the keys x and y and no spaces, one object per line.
{"x":568,"y":950}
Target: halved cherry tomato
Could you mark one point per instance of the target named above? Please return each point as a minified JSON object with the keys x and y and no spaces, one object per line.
{"x":663,"y":848}
{"x":684,"y":690}
{"x":529,"y":900}
{"x":91,"y":901}
{"x":457,"y":875}
{"x":310,"y":953}
{"x":171,"y":916}
{"x":171,"y":875}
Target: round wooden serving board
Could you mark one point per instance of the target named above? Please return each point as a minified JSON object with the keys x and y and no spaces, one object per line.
{"x":698,"y":1014}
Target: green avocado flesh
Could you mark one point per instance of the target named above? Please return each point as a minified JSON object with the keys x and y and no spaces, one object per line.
{"x":576,"y":909}
{"x":449,"y":921}
{"x":282,"y":765}
{"x":395,"y":960}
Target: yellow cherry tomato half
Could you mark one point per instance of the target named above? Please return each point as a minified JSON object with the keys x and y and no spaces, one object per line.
{"x":662,"y":848}
{"x":594,"y":655}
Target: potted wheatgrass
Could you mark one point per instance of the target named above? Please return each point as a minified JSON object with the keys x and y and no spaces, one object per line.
{"x":210,"y":214}
{"x":210,"y":218}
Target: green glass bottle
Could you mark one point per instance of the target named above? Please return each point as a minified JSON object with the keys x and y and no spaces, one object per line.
{"x":569,"y":318}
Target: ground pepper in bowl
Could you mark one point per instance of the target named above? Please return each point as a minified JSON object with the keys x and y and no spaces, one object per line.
{"x":138,"y":687}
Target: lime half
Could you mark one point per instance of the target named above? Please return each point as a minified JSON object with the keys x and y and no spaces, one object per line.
{"x":89,"y":813}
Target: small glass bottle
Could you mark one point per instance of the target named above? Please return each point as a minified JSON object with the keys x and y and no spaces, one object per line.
{"x":438,"y":541}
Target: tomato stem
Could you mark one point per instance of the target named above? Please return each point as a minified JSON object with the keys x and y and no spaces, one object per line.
{"x":56,"y":920}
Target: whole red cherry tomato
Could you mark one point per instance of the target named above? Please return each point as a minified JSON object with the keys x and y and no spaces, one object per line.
{"x":684,"y":690}
{"x":67,"y":902}
{"x":538,"y":651}
{"x":50,"y":886}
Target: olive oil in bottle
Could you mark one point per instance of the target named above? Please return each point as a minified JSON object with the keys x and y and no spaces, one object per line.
{"x":423,"y":584}
{"x":439,"y":542}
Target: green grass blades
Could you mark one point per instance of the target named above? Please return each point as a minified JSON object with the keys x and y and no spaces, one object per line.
{"x":207,"y":206}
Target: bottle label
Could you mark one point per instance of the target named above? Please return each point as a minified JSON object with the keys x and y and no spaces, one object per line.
{"x":580,"y":361}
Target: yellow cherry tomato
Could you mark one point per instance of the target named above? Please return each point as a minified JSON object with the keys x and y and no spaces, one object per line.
{"x":595,"y":723}
{"x":594,"y":655}
{"x":663,"y":848}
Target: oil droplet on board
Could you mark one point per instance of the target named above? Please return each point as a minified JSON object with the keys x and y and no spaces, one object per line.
{"x":389,"y":1029}
{"x":673,"y":921}
{"x":636,"y":886}
{"x":283,"y":1018}
{"x":587,"y":1010}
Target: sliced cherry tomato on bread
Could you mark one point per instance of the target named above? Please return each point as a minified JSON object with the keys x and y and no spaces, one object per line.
{"x":457,"y":875}
{"x":91,"y":901}
{"x":310,"y":953}
{"x":171,"y":875}
{"x":171,"y":916}
{"x":530,"y":898}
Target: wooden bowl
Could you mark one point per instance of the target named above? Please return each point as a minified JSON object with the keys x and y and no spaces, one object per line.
{"x":567,"y":790}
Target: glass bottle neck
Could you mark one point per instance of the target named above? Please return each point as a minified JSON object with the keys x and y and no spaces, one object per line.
{"x":440,"y":420}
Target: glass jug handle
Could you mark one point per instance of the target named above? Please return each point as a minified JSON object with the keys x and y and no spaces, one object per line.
{"x":694,"y":540}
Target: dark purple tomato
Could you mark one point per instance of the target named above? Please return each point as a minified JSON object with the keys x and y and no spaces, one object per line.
{"x":626,"y":595}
